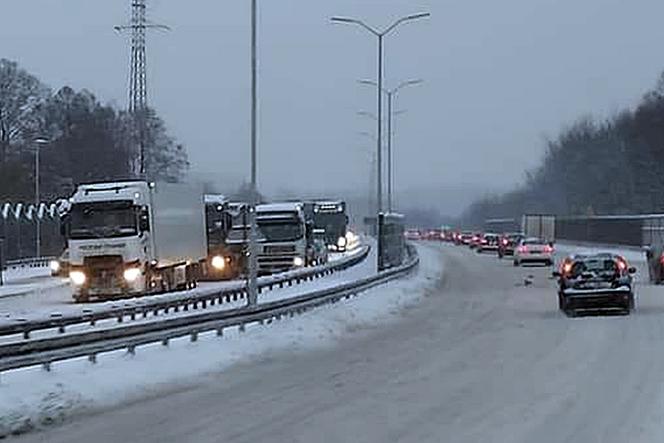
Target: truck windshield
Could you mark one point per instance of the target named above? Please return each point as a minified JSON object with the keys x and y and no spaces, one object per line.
{"x":103,"y":220}
{"x":334,"y":224}
{"x":274,"y":231}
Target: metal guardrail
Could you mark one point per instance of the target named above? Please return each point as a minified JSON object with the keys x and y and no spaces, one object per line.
{"x":198,"y":300}
{"x":33,"y":262}
{"x":89,"y":344}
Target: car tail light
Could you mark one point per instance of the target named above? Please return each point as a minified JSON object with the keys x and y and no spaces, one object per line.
{"x":622,"y":265}
{"x":548,"y":249}
{"x":523,"y":248}
{"x":484,"y":241}
{"x":505,"y":242}
{"x":567,"y":268}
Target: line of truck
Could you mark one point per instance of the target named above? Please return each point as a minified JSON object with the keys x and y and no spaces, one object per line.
{"x":134,"y":238}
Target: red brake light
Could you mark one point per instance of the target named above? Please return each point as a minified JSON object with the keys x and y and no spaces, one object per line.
{"x":505,"y":241}
{"x":548,"y":249}
{"x":567,"y":268}
{"x":523,"y":248}
{"x":621,"y":265}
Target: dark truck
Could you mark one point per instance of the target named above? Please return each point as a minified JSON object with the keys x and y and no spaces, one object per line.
{"x":597,"y":282}
{"x":221,"y":263}
{"x":330,"y":222}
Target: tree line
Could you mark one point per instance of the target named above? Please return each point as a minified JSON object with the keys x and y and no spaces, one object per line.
{"x":609,"y":167}
{"x":79,"y":139}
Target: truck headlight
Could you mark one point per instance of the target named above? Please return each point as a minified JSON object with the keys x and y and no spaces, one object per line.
{"x":298,"y":262}
{"x":54,"y":265}
{"x":342,"y":242}
{"x":77,"y":277}
{"x":131,"y":274}
{"x":218,"y":262}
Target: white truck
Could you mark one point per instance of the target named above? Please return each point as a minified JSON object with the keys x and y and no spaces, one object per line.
{"x":134,"y":238}
{"x":539,"y":226}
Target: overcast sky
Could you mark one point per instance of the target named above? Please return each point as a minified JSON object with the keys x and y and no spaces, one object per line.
{"x":499,"y":75}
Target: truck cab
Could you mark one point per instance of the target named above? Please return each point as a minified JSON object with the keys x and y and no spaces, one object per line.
{"x":218,"y":221}
{"x":134,"y":237}
{"x":282,"y":234}
{"x":330,"y":222}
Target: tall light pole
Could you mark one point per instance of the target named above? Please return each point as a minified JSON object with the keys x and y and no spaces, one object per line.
{"x":39,"y":142}
{"x":379,"y":159}
{"x":390,"y":93}
{"x":252,"y":287}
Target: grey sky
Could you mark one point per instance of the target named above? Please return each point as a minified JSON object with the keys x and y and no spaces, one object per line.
{"x":499,"y":75}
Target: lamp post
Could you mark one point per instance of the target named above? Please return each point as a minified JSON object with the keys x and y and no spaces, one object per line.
{"x":390,"y":93}
{"x":252,"y":287}
{"x":380,"y":35}
{"x":39,"y":142}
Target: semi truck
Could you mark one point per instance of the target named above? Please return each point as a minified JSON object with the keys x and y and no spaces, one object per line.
{"x":285,"y":239}
{"x":134,"y":238}
{"x":539,"y":226}
{"x":330,"y":222}
{"x":220,"y":263}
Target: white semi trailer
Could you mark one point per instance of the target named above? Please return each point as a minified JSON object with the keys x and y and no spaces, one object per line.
{"x":134,"y":238}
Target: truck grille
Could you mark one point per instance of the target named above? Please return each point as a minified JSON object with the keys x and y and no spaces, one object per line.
{"x":279,"y":249}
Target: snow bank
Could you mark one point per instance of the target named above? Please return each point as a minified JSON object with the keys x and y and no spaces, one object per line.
{"x":32,"y":398}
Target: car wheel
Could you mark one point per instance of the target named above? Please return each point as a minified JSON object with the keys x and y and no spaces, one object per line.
{"x":549,"y":262}
{"x":561,"y":302}
{"x":515,"y":263}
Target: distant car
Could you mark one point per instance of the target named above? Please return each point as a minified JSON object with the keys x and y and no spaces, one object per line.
{"x":413,"y":234}
{"x":595,"y":282}
{"x":508,"y":243}
{"x":475,"y":240}
{"x":655,"y":260}
{"x":60,"y":266}
{"x":533,"y":250}
{"x":488,"y":242}
{"x":464,"y":238}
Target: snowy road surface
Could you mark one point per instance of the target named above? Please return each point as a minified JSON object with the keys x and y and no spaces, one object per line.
{"x":481,"y":359}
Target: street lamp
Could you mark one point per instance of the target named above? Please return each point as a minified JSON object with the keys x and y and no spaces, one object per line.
{"x":380,"y":35}
{"x":379,"y":159}
{"x":252,"y":286}
{"x":390,"y":93}
{"x":39,"y":142}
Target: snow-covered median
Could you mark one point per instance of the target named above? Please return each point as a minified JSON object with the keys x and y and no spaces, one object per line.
{"x":32,"y":397}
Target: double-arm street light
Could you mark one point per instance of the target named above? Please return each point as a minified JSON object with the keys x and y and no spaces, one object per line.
{"x":390,"y":93}
{"x":380,"y":35}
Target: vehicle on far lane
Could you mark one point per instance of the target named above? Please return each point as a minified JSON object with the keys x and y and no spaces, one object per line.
{"x":595,"y":282}
{"x":475,"y":240}
{"x":489,"y":242}
{"x":413,"y":234}
{"x":464,"y":238}
{"x":533,"y":250}
{"x":508,"y":243}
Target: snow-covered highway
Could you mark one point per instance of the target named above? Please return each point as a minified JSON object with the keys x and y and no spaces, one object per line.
{"x":482,"y":358}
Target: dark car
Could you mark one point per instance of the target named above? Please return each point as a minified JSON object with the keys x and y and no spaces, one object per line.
{"x":488,"y":242}
{"x":508,"y":243}
{"x":597,"y":282}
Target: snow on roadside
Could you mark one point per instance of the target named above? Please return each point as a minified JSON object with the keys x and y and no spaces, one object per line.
{"x":32,"y":398}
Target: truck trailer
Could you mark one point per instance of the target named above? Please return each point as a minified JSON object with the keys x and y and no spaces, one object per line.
{"x":134,"y":238}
